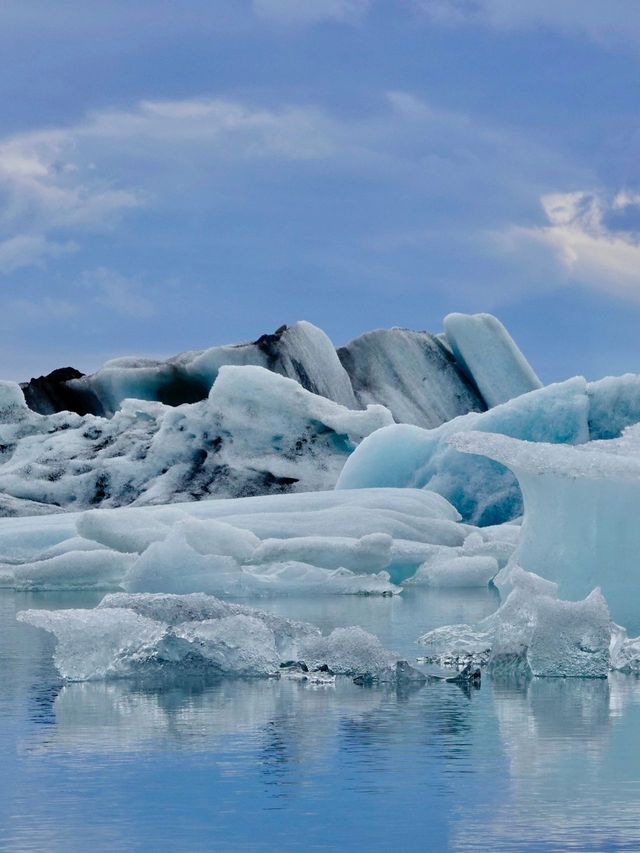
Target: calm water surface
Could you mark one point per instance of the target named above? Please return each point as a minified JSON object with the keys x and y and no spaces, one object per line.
{"x":279,"y":766}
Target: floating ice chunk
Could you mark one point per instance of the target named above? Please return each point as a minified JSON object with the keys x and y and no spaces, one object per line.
{"x":490,"y":356}
{"x":571,"y":638}
{"x":579,"y":527}
{"x":413,"y":374}
{"x":341,"y":542}
{"x":96,"y":644}
{"x":484,"y":492}
{"x":459,"y":572}
{"x":548,"y":636}
{"x":160,"y":634}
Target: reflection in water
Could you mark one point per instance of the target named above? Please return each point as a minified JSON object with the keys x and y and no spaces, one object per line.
{"x":542,"y":764}
{"x":574,"y":766}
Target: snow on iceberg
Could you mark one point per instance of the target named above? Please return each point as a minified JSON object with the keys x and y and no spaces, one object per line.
{"x":138,"y":635}
{"x":484,"y":492}
{"x":579,"y":528}
{"x":256,"y":433}
{"x":489,"y":355}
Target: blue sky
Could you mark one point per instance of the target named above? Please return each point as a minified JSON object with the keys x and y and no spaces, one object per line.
{"x":175,"y":175}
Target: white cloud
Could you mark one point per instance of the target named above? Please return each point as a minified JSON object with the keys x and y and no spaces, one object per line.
{"x":587,"y":249}
{"x":27,"y":250}
{"x":306,"y":12}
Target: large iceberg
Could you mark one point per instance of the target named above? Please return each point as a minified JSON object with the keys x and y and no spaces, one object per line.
{"x":579,"y":528}
{"x":255,"y":433}
{"x":416,"y":374}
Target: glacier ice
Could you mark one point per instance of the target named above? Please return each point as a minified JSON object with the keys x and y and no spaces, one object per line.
{"x":256,"y":433}
{"x":490,"y":356}
{"x":413,"y":374}
{"x":484,"y":491}
{"x":579,"y":528}
{"x":137,"y":635}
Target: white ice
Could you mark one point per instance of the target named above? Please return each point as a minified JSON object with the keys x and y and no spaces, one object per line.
{"x":278,"y":544}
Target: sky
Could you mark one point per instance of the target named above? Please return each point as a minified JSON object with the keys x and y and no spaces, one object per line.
{"x":176,"y":174}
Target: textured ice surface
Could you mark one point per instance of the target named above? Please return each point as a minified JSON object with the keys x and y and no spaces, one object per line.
{"x":484,"y":491}
{"x":490,"y":356}
{"x":413,"y":374}
{"x":534,"y":630}
{"x":256,"y":433}
{"x":277,"y":544}
{"x":137,"y":635}
{"x":579,"y":525}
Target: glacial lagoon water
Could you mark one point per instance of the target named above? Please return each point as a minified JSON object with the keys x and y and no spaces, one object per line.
{"x":251,"y":767}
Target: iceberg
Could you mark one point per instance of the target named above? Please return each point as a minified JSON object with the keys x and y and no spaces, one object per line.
{"x":255,"y":433}
{"x":413,"y":374}
{"x":274,"y":544}
{"x":577,"y":529}
{"x":490,"y":357}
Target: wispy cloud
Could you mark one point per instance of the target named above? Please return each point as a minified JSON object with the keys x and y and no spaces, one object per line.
{"x":597,"y":20}
{"x":587,"y":242}
{"x":28,"y":250}
{"x":110,"y":290}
